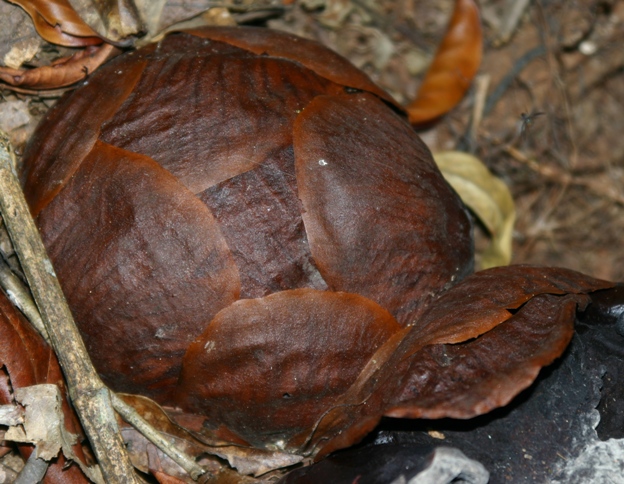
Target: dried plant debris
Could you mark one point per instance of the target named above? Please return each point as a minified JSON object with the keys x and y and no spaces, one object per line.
{"x":34,"y":379}
{"x":19,"y":40}
{"x":43,"y":422}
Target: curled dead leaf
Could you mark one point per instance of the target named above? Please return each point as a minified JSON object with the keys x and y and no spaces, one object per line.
{"x":58,"y":23}
{"x":64,"y":72}
{"x":487,"y":196}
{"x":454,"y":66}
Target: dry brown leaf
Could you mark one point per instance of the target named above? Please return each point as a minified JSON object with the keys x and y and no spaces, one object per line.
{"x":58,"y":23}
{"x":195,"y":442}
{"x":62,"y":73}
{"x":43,"y":421}
{"x":455,"y":64}
{"x":147,"y":458}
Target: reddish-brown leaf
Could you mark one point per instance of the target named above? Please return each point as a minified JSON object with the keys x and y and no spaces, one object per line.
{"x":28,"y":360}
{"x":455,"y":64}
{"x":58,"y":23}
{"x":61,"y":73}
{"x":268,"y":368}
{"x":370,"y":191}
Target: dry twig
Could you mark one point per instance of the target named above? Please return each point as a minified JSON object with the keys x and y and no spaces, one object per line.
{"x":18,"y":294}
{"x":88,"y":393}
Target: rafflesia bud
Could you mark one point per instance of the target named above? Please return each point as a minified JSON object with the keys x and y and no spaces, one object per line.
{"x":240,"y":220}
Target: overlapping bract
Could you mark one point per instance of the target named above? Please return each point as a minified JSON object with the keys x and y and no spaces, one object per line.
{"x":248,"y":229}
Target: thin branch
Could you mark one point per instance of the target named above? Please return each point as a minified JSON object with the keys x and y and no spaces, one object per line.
{"x":130,"y":415}
{"x":89,"y":395}
{"x":519,"y":65}
{"x":19,"y":295}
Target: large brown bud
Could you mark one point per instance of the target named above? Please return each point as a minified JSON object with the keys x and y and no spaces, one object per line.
{"x":249,"y":178}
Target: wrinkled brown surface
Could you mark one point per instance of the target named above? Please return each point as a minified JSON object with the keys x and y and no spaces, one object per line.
{"x":220,"y":174}
{"x":377,"y":212}
{"x":52,"y":159}
{"x":270,"y":367}
{"x":28,"y":360}
{"x":220,"y":119}
{"x":257,"y":209}
{"x":238,"y":109}
{"x":486,"y":297}
{"x":487,"y":372}
{"x":144,"y":272}
{"x":491,"y":294}
{"x":324,"y":62}
{"x":499,"y":353}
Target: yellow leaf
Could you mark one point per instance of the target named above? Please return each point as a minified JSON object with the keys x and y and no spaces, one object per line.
{"x":487,"y":197}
